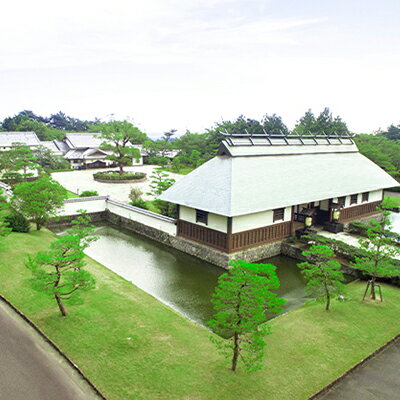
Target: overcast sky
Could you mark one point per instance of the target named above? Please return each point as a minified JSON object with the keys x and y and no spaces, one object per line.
{"x":186,"y":64}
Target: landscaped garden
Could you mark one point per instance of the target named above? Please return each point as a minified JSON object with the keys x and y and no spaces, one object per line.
{"x":132,"y":346}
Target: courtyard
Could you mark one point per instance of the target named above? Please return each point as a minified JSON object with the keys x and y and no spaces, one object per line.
{"x":79,"y":180}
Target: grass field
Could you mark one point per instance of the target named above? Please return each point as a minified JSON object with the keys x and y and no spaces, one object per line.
{"x":134,"y":347}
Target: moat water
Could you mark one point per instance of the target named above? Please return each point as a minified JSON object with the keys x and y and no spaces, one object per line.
{"x":182,"y":282}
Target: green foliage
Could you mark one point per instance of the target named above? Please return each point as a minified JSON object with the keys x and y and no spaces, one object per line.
{"x":18,"y":223}
{"x":115,"y":176}
{"x":59,"y":271}
{"x":39,"y":200}
{"x":89,"y":193}
{"x":382,"y":151}
{"x":340,"y":248}
{"x":241,"y":300}
{"x":18,"y":158}
{"x":140,"y":203}
{"x":160,"y":182}
{"x":322,"y":273}
{"x":361,"y":229}
{"x":392,"y":132}
{"x":4,"y":228}
{"x":135,"y":194}
{"x":379,"y":253}
{"x":119,"y":137}
{"x":47,"y":159}
{"x":161,"y":161}
{"x":325,"y":123}
{"x":165,"y":208}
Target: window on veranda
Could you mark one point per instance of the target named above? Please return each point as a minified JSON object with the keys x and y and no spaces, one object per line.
{"x":354,"y":199}
{"x":279,"y":214}
{"x":202,"y":216}
{"x":365,"y":196}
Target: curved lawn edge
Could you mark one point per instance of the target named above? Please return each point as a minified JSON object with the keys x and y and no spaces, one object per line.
{"x":354,"y":367}
{"x":53,"y":345}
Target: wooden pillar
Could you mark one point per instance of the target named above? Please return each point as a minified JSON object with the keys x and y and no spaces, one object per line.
{"x":229,"y":235}
{"x":292,"y":225}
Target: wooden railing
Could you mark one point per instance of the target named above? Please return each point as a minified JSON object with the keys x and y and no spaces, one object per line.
{"x":230,"y":243}
{"x":255,"y":237}
{"x":363,"y":210}
{"x":202,"y":234}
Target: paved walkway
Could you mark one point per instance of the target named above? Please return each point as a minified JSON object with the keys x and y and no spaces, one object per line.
{"x":30,"y":369}
{"x":78,"y":181}
{"x":377,"y":379}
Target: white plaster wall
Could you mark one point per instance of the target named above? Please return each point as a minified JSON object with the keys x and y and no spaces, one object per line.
{"x":145,"y":219}
{"x":375,"y":195}
{"x":90,"y":206}
{"x":217,"y":222}
{"x":257,"y":220}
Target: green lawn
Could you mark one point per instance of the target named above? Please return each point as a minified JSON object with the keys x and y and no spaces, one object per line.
{"x":395,"y":201}
{"x":169,"y":357}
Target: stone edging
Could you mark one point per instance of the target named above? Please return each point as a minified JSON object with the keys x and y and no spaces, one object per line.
{"x":54,"y":346}
{"x":120,"y":181}
{"x":354,"y":367}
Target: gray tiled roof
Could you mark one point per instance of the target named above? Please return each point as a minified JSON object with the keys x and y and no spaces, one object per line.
{"x":83,"y":140}
{"x":28,"y":138}
{"x":247,"y":183}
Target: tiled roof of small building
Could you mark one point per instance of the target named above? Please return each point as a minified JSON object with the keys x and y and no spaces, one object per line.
{"x":28,"y":138}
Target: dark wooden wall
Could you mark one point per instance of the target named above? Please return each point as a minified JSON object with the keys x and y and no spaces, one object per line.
{"x":232,"y":242}
{"x":360,"y":211}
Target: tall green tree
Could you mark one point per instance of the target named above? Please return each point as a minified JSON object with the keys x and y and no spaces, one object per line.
{"x":324,"y":123}
{"x":21,"y":158}
{"x":39,"y":200}
{"x":274,"y":125}
{"x":119,"y":137}
{"x":322,"y":273}
{"x":392,"y":132}
{"x":379,"y":251}
{"x":59,"y":272}
{"x":241,"y":301}
{"x":4,"y":228}
{"x":160,"y":182}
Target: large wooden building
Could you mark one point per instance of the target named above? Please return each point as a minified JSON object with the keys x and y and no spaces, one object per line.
{"x":259,"y":189}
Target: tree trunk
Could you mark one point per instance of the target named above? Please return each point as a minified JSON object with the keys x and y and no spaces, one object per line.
{"x":61,"y":305}
{"x":373,"y":295}
{"x":121,"y":168}
{"x":38,"y":226}
{"x":328,"y":297}
{"x":235,"y":351}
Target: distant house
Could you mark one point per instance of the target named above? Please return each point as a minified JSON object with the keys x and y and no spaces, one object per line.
{"x":259,"y":189}
{"x":8,"y":138}
{"x":82,"y":150}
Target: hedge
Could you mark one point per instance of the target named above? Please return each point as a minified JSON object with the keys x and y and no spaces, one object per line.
{"x":115,"y":176}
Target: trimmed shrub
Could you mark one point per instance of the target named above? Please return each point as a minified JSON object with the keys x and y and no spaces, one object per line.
{"x":18,"y":223}
{"x":115,"y":176}
{"x":88,"y":193}
{"x":139,"y":203}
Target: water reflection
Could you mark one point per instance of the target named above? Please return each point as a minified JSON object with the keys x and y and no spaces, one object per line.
{"x":179,"y":280}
